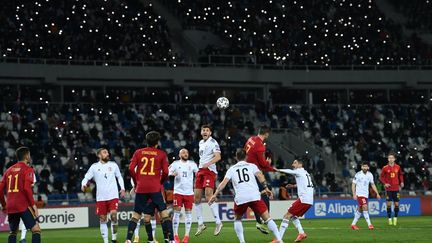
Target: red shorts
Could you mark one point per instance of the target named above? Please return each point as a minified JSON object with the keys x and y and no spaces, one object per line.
{"x":298,"y":208}
{"x":104,"y":207}
{"x":258,"y":207}
{"x":362,"y":201}
{"x":183,"y":200}
{"x":205,"y":178}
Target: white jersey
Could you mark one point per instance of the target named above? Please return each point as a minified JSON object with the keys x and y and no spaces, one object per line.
{"x":362,"y":182}
{"x":183,"y":182}
{"x":104,"y":174}
{"x":304,"y":184}
{"x":242,"y":176}
{"x":207,"y":149}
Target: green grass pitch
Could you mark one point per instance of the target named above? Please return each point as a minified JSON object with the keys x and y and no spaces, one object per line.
{"x":409,"y":229}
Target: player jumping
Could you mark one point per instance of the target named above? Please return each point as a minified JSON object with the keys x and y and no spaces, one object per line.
{"x":360,"y":190}
{"x":247,"y":194}
{"x":303,"y":203}
{"x":104,"y":173}
{"x":17,"y":183}
{"x":149,"y":169}
{"x":209,"y":153}
{"x":255,"y":154}
{"x":183,"y":171}
{"x":392,"y":177}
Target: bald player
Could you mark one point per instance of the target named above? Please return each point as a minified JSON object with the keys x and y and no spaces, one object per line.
{"x":183,"y":171}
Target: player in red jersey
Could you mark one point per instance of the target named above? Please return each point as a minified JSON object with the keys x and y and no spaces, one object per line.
{"x":149,"y":169}
{"x":17,"y":183}
{"x":255,"y":154}
{"x":392,"y":178}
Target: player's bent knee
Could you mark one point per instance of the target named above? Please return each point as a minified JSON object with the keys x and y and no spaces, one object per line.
{"x":36,"y":229}
{"x":164,"y":214}
{"x":15,"y":232}
{"x":102,"y":218}
{"x":265,"y":216}
{"x":147,"y":218}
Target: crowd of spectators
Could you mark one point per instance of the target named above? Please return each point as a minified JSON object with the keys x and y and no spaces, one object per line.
{"x":84,"y":30}
{"x":367,"y":133}
{"x":330,"y":32}
{"x":417,"y":12}
{"x":64,"y":136}
{"x":304,"y":32}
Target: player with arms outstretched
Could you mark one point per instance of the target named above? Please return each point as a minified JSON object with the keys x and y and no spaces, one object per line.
{"x":255,"y":154}
{"x":303,"y":203}
{"x":210,"y":154}
{"x":360,"y":189}
{"x":104,"y":173}
{"x":242,"y":175}
{"x":183,"y":171}
{"x":17,"y":182}
{"x":149,"y":169}
{"x":392,"y":177}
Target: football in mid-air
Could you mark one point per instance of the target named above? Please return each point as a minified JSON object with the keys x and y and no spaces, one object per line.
{"x":222,"y":103}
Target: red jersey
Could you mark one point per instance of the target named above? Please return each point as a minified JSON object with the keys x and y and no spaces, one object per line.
{"x":255,"y":153}
{"x":149,"y":169}
{"x":17,"y":184}
{"x":392,"y":175}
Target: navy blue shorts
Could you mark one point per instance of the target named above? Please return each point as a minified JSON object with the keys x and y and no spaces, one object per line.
{"x":147,"y":203}
{"x":28,"y":217}
{"x":392,"y":196}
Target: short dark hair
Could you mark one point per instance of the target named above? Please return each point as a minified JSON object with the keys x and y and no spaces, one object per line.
{"x":263,"y":130}
{"x":152,"y":138}
{"x":21,"y":152}
{"x":302,"y":159}
{"x":206,"y":126}
{"x":100,"y":150}
{"x":392,"y":154}
{"x":241,"y":154}
{"x":365,"y":163}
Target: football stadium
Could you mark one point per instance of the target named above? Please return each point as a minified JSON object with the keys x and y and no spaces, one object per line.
{"x":215,"y":121}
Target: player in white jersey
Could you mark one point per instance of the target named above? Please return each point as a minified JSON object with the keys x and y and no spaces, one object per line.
{"x":242,"y":175}
{"x":303,"y":203}
{"x":183,"y":171}
{"x":360,"y":190}
{"x":104,"y":173}
{"x":210,"y":154}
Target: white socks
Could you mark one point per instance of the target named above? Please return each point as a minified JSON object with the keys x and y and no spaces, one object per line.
{"x":273,"y":227}
{"x":188,"y":222}
{"x":238,"y":227}
{"x":215,"y":211}
{"x":104,"y":231}
{"x":357,"y":216}
{"x":23,"y":233}
{"x":114,"y":231}
{"x":137,"y":228}
{"x":297,"y":224}
{"x":283,"y":227}
{"x":153,"y":223}
{"x":199,"y":213}
{"x":366,"y":216}
{"x":176,"y":222}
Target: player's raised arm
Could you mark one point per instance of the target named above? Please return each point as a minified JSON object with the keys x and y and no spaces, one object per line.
{"x":87,"y":177}
{"x":264,"y":163}
{"x":287,"y":171}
